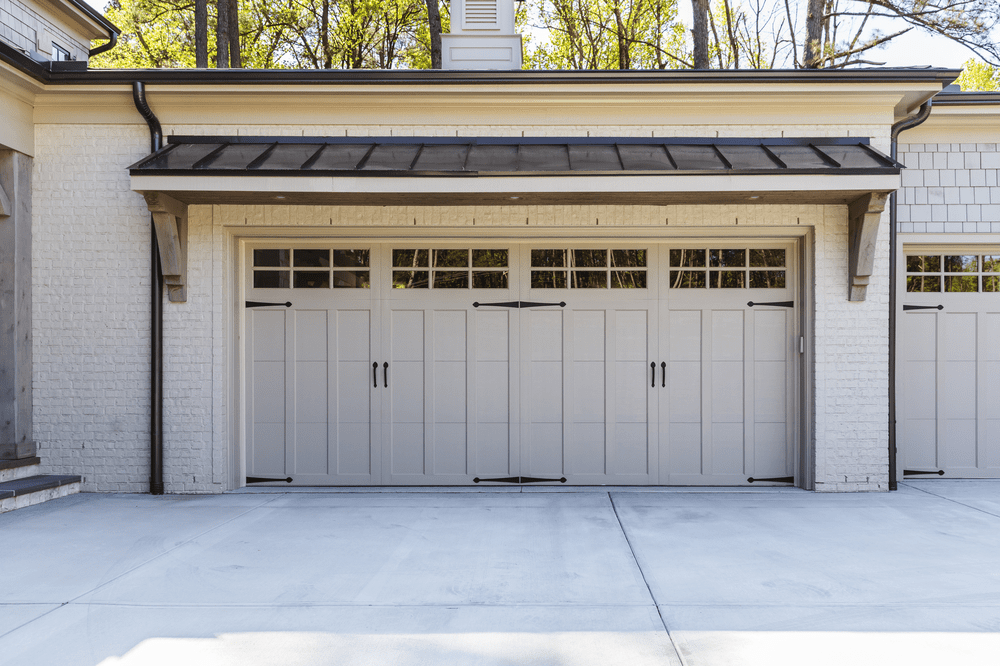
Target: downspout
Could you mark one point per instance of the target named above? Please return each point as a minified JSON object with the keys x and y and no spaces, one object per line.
{"x":897,"y":129}
{"x":155,"y":315}
{"x":107,"y":46}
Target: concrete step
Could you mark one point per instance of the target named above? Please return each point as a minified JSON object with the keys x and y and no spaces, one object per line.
{"x":18,"y":469}
{"x":25,"y":491}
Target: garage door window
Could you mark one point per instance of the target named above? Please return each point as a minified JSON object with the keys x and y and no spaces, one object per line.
{"x":450,"y":268}
{"x":952,"y":273}
{"x":727,"y":268}
{"x":588,"y":269}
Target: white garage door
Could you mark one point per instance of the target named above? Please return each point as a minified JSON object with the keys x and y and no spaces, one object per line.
{"x":408,"y":364}
{"x":949,"y":355}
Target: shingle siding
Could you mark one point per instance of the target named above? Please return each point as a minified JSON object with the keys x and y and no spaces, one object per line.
{"x":949,"y":188}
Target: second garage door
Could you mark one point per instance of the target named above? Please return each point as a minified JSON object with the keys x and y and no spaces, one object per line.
{"x":411,"y":364}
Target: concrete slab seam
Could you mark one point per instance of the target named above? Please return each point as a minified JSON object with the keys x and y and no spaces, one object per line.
{"x":954,"y":501}
{"x":642,"y":573}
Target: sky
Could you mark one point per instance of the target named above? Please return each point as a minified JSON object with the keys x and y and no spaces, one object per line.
{"x":916,"y":48}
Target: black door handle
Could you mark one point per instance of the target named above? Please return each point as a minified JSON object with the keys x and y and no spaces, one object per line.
{"x":663,"y":366}
{"x":652,"y":367}
{"x":385,"y":373}
{"x":375,"y":373}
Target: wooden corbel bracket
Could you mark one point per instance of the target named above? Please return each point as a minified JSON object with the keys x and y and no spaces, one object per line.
{"x":863,"y":215}
{"x":171,"y":220}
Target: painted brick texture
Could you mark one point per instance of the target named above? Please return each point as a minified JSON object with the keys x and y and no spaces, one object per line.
{"x":91,"y":313}
{"x":949,"y":188}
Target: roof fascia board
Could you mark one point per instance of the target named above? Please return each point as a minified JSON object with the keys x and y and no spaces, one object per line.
{"x":707,"y":184}
{"x":741,"y":78}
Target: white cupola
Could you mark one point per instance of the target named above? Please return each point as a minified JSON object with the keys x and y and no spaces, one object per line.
{"x":482,"y":36}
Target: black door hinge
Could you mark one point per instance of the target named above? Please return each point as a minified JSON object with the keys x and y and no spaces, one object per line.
{"x":520,"y":479}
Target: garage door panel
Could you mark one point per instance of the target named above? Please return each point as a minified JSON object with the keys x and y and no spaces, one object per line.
{"x":588,"y":335}
{"x":920,"y":444}
{"x":310,"y":392}
{"x":770,"y":387}
{"x":353,"y":449}
{"x":770,"y":335}
{"x":546,"y":335}
{"x":770,"y":455}
{"x":407,"y":335}
{"x":450,"y":448}
{"x":407,"y":448}
{"x":311,"y":449}
{"x":920,"y":382}
{"x":407,"y":391}
{"x":492,"y":339}
{"x":631,"y":450}
{"x":354,"y":335}
{"x":727,"y":448}
{"x":685,"y":392}
{"x":960,"y":336}
{"x":353,"y":401}
{"x":492,"y":392}
{"x":269,"y":391}
{"x":544,"y":454}
{"x":990,"y":455}
{"x":991,"y":335}
{"x":585,"y":449}
{"x":960,"y":439}
{"x":991,"y":397}
{"x":450,"y":392}
{"x":630,"y":392}
{"x":685,"y":448}
{"x":588,"y":387}
{"x":919,"y":336}
{"x":267,"y":455}
{"x":727,"y":391}
{"x":727,"y":336}
{"x":546,"y":392}
{"x":684,"y":332}
{"x":492,"y":449}
{"x":450,"y":335}
{"x":311,"y":335}
{"x":268,"y":334}
{"x":959,"y":395}
{"x":631,"y":335}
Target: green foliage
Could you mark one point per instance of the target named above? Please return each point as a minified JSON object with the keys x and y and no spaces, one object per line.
{"x":286,"y":33}
{"x":977,"y":75}
{"x":609,"y":34}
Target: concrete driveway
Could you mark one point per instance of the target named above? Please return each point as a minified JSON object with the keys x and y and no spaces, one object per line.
{"x":506,"y":576}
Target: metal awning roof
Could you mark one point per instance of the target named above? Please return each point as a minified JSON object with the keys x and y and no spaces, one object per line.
{"x":502,"y":170}
{"x":477,"y":157}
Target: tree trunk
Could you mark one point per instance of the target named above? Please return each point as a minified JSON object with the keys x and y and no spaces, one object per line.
{"x":201,"y":33}
{"x":812,"y":50}
{"x":699,"y":31}
{"x":222,"y":34}
{"x":434,"y":18}
{"x":234,"y":34}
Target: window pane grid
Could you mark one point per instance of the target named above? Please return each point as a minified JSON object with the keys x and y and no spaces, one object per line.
{"x":310,"y":268}
{"x":727,"y":268}
{"x":588,"y":268}
{"x":952,"y":273}
{"x":453,"y":268}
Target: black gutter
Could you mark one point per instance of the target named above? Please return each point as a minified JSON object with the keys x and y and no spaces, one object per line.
{"x":113,"y":39}
{"x":903,"y":125}
{"x":967,"y":99}
{"x":155,"y":315}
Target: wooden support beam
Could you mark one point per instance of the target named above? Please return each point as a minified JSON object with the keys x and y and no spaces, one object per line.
{"x":170,"y":221}
{"x":864,"y":215}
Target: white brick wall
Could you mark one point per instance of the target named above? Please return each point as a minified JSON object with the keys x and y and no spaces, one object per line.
{"x":949,"y":188}
{"x":91,"y":313}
